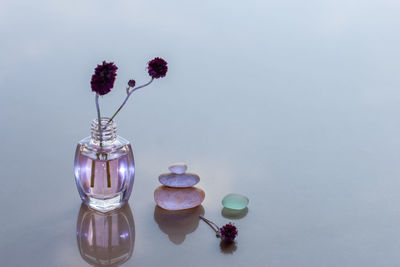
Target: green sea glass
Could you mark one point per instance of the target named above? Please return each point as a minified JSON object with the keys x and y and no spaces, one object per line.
{"x":235,"y":201}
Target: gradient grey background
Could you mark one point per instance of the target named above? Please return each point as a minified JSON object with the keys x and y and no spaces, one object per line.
{"x":293,"y":103}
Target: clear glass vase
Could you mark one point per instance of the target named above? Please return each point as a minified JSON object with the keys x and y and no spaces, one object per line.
{"x":104,"y":168}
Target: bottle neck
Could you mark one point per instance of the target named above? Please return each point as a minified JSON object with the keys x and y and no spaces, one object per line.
{"x":106,"y":134}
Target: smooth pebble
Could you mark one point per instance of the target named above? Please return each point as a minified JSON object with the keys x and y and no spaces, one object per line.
{"x":178,"y":198}
{"x":178,"y":168}
{"x":235,"y":201}
{"x":179,"y":180}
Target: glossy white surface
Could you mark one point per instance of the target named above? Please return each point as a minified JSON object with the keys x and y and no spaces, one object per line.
{"x":294,"y":104}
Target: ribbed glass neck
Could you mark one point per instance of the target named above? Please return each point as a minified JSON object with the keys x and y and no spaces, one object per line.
{"x":108,"y":131}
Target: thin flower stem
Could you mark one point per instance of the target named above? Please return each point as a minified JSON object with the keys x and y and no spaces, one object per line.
{"x":101,"y":143}
{"x":211,"y":224}
{"x":126,"y":99}
{"x":101,"y":146}
{"x":99,"y":119}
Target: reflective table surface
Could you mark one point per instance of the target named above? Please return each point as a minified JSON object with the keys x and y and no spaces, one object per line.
{"x":294,"y":104}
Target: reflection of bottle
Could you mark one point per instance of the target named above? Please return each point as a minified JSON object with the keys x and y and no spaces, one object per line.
{"x":178,"y":224}
{"x":104,"y":168}
{"x":105,"y":238}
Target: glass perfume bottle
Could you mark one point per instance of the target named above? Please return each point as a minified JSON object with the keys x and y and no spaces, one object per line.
{"x":104,"y":167}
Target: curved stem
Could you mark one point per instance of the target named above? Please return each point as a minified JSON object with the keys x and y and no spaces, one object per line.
{"x":126,"y":99}
{"x":211,"y":224}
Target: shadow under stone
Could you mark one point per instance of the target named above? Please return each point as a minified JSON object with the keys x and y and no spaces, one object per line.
{"x":177,"y":224}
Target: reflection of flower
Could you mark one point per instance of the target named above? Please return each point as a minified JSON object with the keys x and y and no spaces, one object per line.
{"x":228,"y":232}
{"x":157,"y":68}
{"x":227,"y":247}
{"x":103,"y":78}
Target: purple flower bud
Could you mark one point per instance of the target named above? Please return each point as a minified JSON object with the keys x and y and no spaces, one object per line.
{"x":228,"y":232}
{"x":131,"y":83}
{"x":103,"y":78}
{"x":157,"y":68}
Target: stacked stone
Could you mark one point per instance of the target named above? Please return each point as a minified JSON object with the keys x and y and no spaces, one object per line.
{"x":178,"y":191}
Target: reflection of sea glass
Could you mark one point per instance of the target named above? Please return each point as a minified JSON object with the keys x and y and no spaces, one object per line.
{"x":234,"y":214}
{"x":105,"y":239}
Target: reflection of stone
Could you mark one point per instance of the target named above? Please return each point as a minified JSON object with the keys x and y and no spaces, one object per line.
{"x":177,"y":224}
{"x":234,"y":214}
{"x":105,"y":239}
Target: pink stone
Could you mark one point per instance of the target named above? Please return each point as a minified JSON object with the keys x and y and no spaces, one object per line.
{"x":179,"y":180}
{"x":178,"y":198}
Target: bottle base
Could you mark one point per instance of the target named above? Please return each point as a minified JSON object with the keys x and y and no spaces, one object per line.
{"x":105,"y":205}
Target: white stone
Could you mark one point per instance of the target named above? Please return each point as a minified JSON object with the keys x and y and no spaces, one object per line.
{"x":178,"y":168}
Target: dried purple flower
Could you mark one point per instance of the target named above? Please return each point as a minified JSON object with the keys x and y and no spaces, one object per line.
{"x":228,"y":232}
{"x":131,"y":83}
{"x":157,"y":68}
{"x":103,"y":78}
